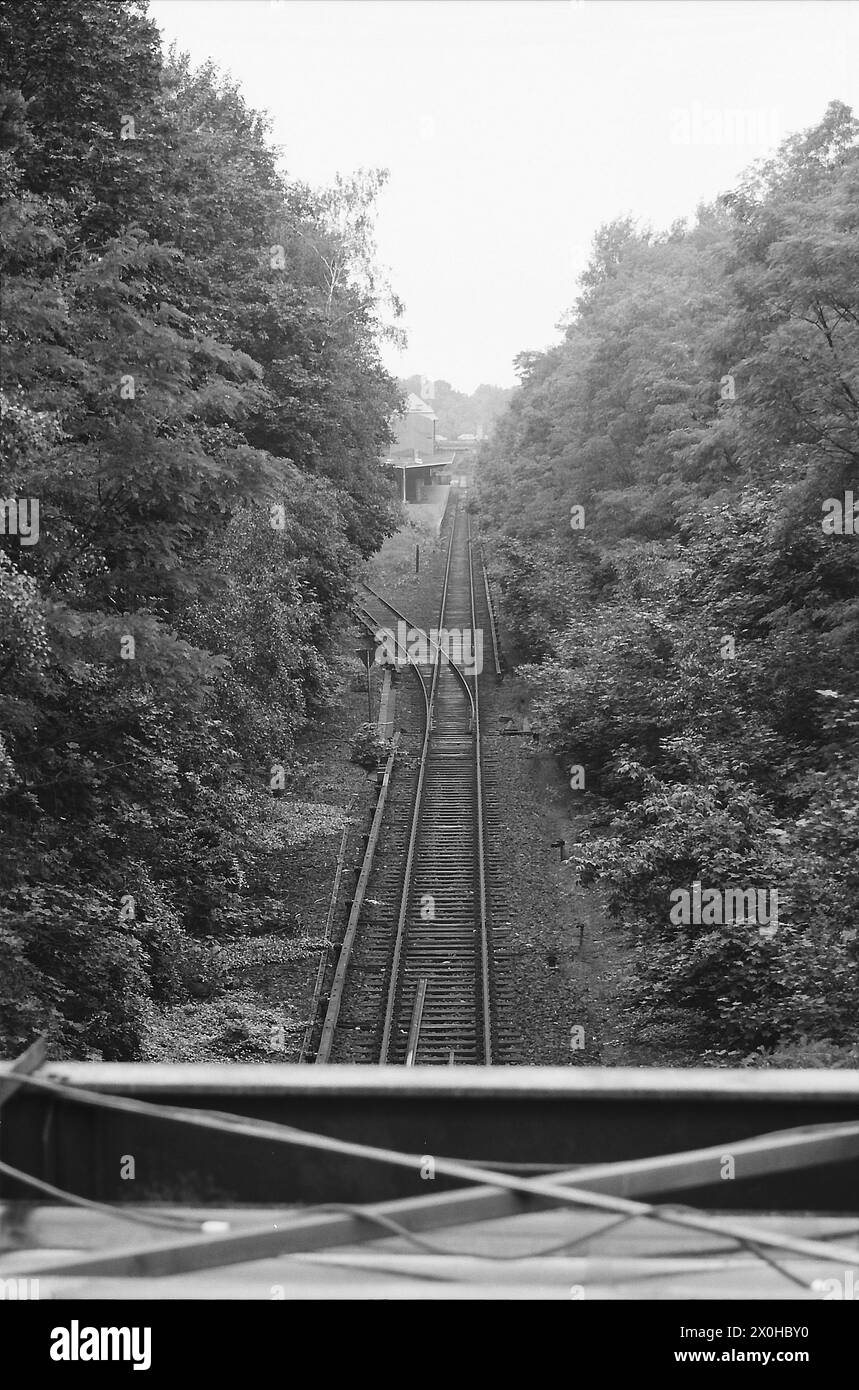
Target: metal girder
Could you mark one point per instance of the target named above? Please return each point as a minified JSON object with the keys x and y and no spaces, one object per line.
{"x":320,"y":1230}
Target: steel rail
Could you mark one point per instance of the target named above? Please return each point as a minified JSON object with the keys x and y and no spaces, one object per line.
{"x":490,"y":610}
{"x":335,"y":999}
{"x":447,"y":1002}
{"x":393,"y":980}
{"x":327,"y":943}
{"x":485,"y":974}
{"x":413,"y":627}
{"x":366,"y":618}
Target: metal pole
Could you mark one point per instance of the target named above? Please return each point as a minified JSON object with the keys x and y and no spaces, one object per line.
{"x":417,"y":1017}
{"x":417,"y":559}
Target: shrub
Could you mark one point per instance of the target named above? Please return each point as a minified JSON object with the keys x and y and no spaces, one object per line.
{"x":368,"y":749}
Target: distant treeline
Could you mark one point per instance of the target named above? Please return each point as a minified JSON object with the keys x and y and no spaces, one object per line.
{"x":458,"y":413}
{"x":194,"y":410}
{"x":672,"y":500}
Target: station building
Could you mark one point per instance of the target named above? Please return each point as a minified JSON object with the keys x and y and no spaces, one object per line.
{"x":423,"y":472}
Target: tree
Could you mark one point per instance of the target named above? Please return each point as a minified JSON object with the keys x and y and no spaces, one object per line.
{"x":696,"y":646}
{"x":200,"y":421}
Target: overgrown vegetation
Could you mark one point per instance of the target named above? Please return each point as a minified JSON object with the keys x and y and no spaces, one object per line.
{"x":693,"y":645}
{"x":368,"y":749}
{"x":194,"y":397}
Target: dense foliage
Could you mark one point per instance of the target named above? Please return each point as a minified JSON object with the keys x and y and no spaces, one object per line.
{"x":193,"y":395}
{"x":693,"y":634}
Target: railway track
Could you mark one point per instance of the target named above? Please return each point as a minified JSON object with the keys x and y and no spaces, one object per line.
{"x":414,"y":985}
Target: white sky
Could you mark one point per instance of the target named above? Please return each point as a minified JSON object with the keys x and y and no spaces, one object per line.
{"x":512,"y":130}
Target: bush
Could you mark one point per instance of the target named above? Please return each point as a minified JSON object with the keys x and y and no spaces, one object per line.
{"x":86,"y":968}
{"x":368,"y":749}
